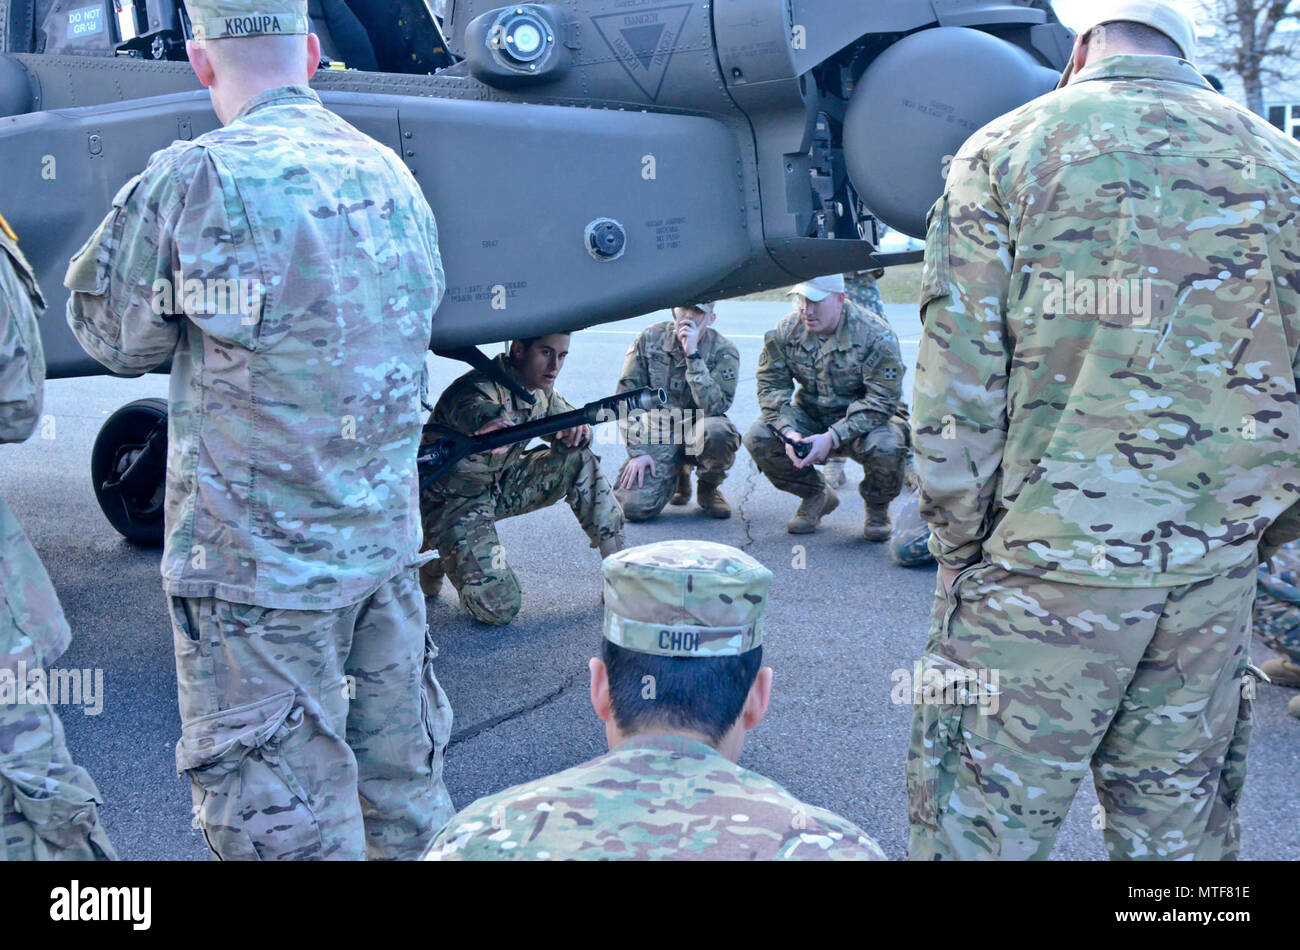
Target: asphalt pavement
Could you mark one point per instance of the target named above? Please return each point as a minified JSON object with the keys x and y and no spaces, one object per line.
{"x":843,"y":619}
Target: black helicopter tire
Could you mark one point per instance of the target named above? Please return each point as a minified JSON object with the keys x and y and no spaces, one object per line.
{"x":138,"y":518}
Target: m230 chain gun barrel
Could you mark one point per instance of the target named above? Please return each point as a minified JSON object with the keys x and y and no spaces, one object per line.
{"x":437,"y":458}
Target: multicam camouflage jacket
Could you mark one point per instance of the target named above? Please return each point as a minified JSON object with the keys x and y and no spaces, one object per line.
{"x":849,"y":383}
{"x":705,"y":384}
{"x":1106,"y":385}
{"x":476,"y":399}
{"x":29,"y":606}
{"x":288,"y":264}
{"x":651,"y":798}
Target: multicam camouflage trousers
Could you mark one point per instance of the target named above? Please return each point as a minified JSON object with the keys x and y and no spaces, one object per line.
{"x":1036,"y":680}
{"x":313,"y":734}
{"x":49,"y":806}
{"x":463,"y":527}
{"x":711,"y":449}
{"x":882,"y":453}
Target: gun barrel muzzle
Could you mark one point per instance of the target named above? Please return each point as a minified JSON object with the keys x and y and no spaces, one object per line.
{"x":652,"y":399}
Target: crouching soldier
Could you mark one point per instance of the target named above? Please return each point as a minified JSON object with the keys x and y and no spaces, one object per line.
{"x":696,"y":365}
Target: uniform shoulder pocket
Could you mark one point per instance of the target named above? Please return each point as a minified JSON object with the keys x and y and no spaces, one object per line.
{"x":936,"y":274}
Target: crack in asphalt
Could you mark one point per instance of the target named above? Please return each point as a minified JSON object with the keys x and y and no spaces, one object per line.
{"x":747,"y":493}
{"x":469,"y":732}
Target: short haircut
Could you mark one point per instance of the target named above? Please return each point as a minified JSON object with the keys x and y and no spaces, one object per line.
{"x":699,"y":694}
{"x":526,"y":343}
{"x":1140,"y":36}
{"x":263,"y":54}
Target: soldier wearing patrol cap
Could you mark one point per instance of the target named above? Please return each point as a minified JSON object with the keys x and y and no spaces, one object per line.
{"x":697,"y":367}
{"x":679,"y":682}
{"x":288,"y":266}
{"x":1107,"y":437}
{"x":49,"y":806}
{"x":831,"y":377}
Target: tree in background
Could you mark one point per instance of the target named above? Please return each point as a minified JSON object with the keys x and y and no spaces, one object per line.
{"x":1251,"y":41}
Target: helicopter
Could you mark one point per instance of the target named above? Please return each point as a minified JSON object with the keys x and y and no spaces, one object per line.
{"x":586,"y":160}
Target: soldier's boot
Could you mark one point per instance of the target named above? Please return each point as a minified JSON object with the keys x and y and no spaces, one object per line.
{"x":812,"y":510}
{"x":834,"y":472}
{"x":1293,"y":707}
{"x":877,"y":527}
{"x":683,"y":493}
{"x":710,"y":499}
{"x":611,"y":545}
{"x":1282,"y":672}
{"x":431,"y":576}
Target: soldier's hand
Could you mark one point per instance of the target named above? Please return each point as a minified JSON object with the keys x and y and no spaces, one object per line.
{"x":493,"y":426}
{"x":634,"y":473}
{"x":821,"y":449}
{"x":789,"y":449}
{"x":574,"y":437}
{"x":688,"y":335}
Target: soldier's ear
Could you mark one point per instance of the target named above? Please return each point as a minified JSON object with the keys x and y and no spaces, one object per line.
{"x":760,"y":694}
{"x":313,"y":54}
{"x":600,"y":689}
{"x":200,"y":63}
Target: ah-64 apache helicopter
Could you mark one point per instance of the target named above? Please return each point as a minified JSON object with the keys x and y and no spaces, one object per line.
{"x":586,"y":160}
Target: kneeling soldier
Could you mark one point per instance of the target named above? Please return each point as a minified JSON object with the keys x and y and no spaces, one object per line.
{"x":848,"y":402}
{"x":461,"y":509}
{"x":680,"y":682}
{"x":696,"y":365}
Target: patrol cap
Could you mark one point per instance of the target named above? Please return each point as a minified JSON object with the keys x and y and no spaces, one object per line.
{"x":706,"y":307}
{"x":819,"y":288}
{"x":685,"y":598}
{"x":1168,"y":19}
{"x":218,"y":19}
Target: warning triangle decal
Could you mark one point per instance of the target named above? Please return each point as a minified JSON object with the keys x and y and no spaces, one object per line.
{"x":644,"y":42}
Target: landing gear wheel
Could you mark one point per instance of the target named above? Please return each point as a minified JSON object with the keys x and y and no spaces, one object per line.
{"x":128,"y":467}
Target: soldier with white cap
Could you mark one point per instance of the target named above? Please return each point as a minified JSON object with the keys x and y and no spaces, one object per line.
{"x":830,"y":377}
{"x":679,"y":683}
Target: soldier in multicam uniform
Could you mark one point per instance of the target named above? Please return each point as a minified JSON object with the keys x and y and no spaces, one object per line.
{"x":697,"y":366}
{"x":312,"y":723}
{"x":49,"y":806}
{"x":830,"y":375}
{"x":460,"y":510}
{"x":860,"y":287}
{"x":1098,"y":477}
{"x":679,"y":683}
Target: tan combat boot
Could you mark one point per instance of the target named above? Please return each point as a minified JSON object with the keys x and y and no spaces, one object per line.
{"x":683,"y":493}
{"x":1282,"y":672}
{"x":1293,"y":707}
{"x":813,"y":509}
{"x":431,"y":576}
{"x":710,"y":499}
{"x":834,"y":472}
{"x":608,"y":546}
{"x":877,"y":527}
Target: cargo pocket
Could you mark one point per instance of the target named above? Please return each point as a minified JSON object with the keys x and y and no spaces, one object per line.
{"x":936,"y":749}
{"x":1233,"y":778}
{"x":62,"y":813}
{"x":247,"y":800}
